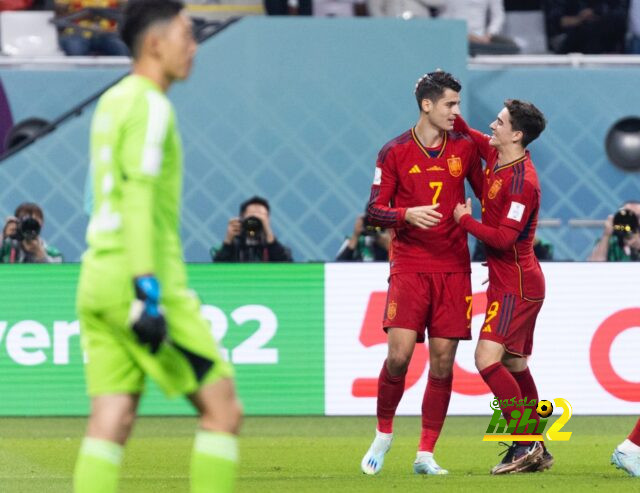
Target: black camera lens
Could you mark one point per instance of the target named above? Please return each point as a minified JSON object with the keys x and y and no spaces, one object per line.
{"x":251,"y":226}
{"x":29,"y":227}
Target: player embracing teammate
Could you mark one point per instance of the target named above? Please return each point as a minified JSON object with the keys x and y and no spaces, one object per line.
{"x":419,"y":179}
{"x":511,"y":201}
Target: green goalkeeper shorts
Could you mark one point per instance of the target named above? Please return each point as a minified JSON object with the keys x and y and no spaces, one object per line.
{"x":117,"y":363}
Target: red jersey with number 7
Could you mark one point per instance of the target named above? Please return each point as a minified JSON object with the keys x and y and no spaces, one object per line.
{"x":408,"y":175}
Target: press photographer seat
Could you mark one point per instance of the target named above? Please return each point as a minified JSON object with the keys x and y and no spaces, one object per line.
{"x":28,"y":34}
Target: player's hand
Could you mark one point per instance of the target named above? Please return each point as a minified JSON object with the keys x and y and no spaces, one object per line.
{"x":462,"y":210}
{"x":423,"y":216}
{"x":233,"y":229}
{"x":145,"y":317}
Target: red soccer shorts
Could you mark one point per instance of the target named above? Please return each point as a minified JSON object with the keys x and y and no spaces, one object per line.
{"x":510,"y":321}
{"x":437,"y":302}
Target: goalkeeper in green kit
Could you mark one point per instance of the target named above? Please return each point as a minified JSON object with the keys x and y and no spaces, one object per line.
{"x":137,"y":316}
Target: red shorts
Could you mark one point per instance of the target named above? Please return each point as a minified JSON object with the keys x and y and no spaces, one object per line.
{"x":510,"y":321}
{"x":438,"y":302}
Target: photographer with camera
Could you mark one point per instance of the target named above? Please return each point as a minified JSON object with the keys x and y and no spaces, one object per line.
{"x":21,"y":240}
{"x":620,"y":241}
{"x":367,"y":243}
{"x":249,"y":237}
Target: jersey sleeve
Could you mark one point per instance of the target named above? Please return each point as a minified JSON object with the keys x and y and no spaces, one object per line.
{"x":142,"y":148}
{"x":380,"y":211}
{"x":520,"y":201}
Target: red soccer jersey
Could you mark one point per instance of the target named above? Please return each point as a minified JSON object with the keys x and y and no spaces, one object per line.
{"x":407,"y":176}
{"x":510,"y":198}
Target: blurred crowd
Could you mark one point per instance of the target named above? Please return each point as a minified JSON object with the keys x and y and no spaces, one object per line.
{"x":89,"y":27}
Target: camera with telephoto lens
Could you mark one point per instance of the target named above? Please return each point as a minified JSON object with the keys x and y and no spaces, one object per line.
{"x":28,"y":228}
{"x":251,"y":228}
{"x":625,"y":223}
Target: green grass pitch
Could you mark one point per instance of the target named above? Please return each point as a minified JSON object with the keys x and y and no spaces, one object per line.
{"x":309,"y":454}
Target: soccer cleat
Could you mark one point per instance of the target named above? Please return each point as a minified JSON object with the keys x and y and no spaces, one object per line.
{"x":428,"y":465}
{"x":628,"y":462}
{"x":545,"y":462}
{"x":519,"y":458}
{"x":374,"y":458}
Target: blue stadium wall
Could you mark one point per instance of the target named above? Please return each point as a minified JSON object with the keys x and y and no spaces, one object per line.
{"x":296,"y":110}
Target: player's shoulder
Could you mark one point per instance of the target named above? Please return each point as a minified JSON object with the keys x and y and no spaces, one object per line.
{"x":399,"y":141}
{"x":459,"y":138}
{"x":135,"y":93}
{"x":523,"y":176}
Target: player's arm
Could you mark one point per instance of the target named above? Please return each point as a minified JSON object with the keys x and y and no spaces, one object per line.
{"x":381,"y":213}
{"x":519,"y":206}
{"x":141,"y":156}
{"x":479,"y":139}
{"x":475,"y":176}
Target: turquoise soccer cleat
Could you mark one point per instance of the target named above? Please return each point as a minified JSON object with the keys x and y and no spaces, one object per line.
{"x":374,"y":458}
{"x":627,"y":462}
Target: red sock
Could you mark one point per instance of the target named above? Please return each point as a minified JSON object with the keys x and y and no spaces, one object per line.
{"x":434,"y":409}
{"x":635,"y":434}
{"x":504,"y":387}
{"x":390,"y":390}
{"x":529,"y":391}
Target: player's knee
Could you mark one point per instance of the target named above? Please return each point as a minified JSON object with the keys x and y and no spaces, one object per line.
{"x":484,"y":360}
{"x":226,"y":419}
{"x":398,"y":362}
{"x":441,"y":366}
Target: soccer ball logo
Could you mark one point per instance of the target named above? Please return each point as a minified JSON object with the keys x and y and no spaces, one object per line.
{"x":544,"y":409}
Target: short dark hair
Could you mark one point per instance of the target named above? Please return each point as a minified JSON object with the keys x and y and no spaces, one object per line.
{"x":254,"y":200}
{"x":526,"y":118}
{"x":139,"y":15}
{"x":432,"y":86}
{"x":29,"y":209}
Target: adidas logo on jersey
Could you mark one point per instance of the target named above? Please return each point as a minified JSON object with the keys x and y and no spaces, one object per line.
{"x":435,"y":168}
{"x":415,"y":169}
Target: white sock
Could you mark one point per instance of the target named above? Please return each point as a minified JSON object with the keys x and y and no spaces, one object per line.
{"x":424,"y":455}
{"x":628,"y":447}
{"x":383,"y":436}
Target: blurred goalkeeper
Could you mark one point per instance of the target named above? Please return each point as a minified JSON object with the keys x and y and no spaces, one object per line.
{"x":136,"y":314}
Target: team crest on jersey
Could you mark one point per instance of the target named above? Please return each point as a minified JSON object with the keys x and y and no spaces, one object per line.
{"x":391,"y":310}
{"x":455,"y":166}
{"x":495,"y":188}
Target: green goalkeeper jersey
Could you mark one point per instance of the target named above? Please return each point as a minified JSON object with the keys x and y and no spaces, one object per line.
{"x":136,"y":168}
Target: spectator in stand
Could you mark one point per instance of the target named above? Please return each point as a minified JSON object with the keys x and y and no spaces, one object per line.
{"x":366,"y":244}
{"x":586,"y":26}
{"x":21,"y":240}
{"x":287,"y":7}
{"x":485,"y":19}
{"x":620,"y":241}
{"x":89,"y":27}
{"x":249,"y":238}
{"x":405,"y":9}
{"x":340,"y":8}
{"x":633,"y":35}
{"x":16,"y":5}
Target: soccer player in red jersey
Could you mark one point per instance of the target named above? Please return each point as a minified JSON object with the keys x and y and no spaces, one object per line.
{"x":419,"y":179}
{"x":626,"y":456}
{"x":510,"y":205}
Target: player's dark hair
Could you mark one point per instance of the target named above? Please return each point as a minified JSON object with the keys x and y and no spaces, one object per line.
{"x":526,"y":118}
{"x":139,"y":15}
{"x":432,"y":86}
{"x":29,"y":209}
{"x":254,"y":200}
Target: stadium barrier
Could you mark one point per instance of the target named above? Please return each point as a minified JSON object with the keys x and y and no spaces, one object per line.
{"x":306,"y":339}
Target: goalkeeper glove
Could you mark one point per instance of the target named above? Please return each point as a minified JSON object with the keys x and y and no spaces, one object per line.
{"x":145,"y":317}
